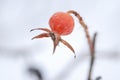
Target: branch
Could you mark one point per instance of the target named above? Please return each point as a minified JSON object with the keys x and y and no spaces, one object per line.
{"x":92,"y":58}
{"x":90,"y":42}
{"x":85,"y":29}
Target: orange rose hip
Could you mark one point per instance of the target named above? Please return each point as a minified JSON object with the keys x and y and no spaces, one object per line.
{"x":61,"y":23}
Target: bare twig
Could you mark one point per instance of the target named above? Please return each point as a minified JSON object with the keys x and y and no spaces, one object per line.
{"x":92,"y":58}
{"x":36,"y":72}
{"x":90,"y":42}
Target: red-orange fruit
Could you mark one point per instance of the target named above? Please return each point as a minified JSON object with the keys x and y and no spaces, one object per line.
{"x":61,"y":23}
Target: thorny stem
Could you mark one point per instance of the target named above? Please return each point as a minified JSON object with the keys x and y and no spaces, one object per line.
{"x":90,"y":42}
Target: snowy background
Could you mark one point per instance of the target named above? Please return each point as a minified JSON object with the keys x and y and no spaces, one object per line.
{"x":18,"y":53}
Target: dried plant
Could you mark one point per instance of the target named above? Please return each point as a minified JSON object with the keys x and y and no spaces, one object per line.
{"x":90,"y":41}
{"x":62,"y":24}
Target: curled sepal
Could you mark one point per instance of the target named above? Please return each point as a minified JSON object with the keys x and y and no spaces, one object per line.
{"x":56,"y":42}
{"x":68,"y":45}
{"x":44,"y":29}
{"x":41,"y":35}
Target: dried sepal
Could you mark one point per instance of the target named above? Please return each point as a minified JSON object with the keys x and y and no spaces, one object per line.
{"x":41,"y":36}
{"x":44,"y":29}
{"x":56,"y":42}
{"x":68,"y":45}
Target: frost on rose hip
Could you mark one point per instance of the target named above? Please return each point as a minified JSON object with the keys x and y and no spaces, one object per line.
{"x":61,"y":23}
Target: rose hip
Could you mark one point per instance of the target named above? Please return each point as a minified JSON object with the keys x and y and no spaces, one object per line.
{"x":61,"y":23}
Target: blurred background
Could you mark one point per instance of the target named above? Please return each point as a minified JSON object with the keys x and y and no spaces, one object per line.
{"x":24,"y":59}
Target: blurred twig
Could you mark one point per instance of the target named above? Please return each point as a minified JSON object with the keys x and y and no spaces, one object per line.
{"x":36,"y":72}
{"x":98,"y":78}
{"x":92,"y":58}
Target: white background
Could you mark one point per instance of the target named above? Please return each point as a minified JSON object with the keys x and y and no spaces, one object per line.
{"x":18,"y":51}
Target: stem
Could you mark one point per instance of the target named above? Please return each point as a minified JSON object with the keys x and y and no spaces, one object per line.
{"x":92,"y":58}
{"x":85,"y":29}
{"x":90,"y":42}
